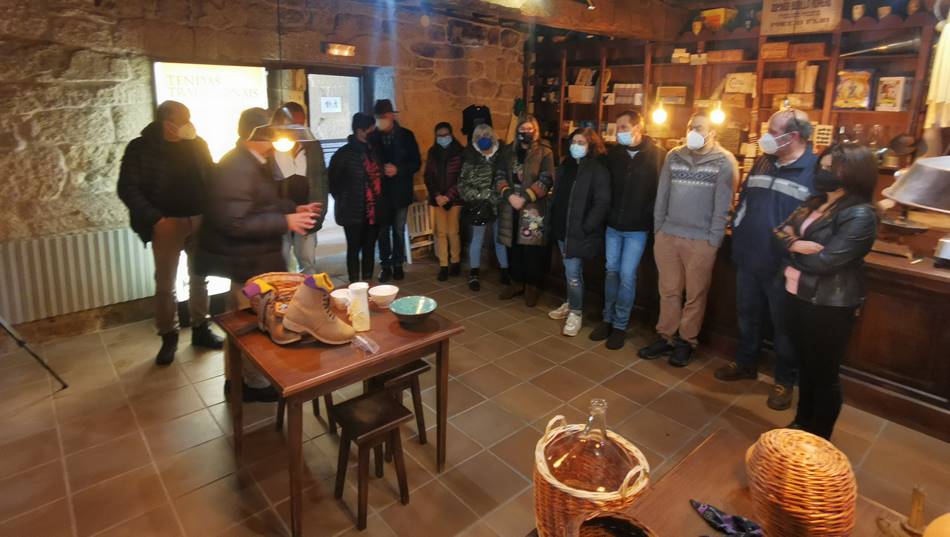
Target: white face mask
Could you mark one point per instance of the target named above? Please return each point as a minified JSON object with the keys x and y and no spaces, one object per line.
{"x":695,"y":141}
{"x":769,"y":144}
{"x":187,"y":131}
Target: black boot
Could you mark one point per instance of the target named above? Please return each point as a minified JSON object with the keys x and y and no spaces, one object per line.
{"x":166,"y":354}
{"x":398,"y":274}
{"x":601,"y":332}
{"x":682,"y":353}
{"x":252,"y":395}
{"x":202,"y":336}
{"x":385,"y":275}
{"x":505,"y":277}
{"x":656,"y":349}
{"x":455,"y":269}
{"x":616,"y":339}
{"x":443,"y":274}
{"x":473,"y":282}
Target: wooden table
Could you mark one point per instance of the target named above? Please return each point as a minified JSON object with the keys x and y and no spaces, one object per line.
{"x":304,"y":372}
{"x":714,"y":473}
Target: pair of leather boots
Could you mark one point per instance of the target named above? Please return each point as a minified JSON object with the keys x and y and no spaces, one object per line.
{"x":307,"y":314}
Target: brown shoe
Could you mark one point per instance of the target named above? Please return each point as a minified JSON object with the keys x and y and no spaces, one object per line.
{"x":733,"y":371}
{"x":511,"y":291}
{"x":269,"y":320}
{"x":310,"y":312}
{"x":780,"y":397}
{"x":531,"y":295}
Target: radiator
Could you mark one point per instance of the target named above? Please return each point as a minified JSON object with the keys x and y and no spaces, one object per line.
{"x":61,"y":274}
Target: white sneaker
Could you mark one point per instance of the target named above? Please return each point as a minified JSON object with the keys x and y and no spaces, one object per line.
{"x":561,"y":312}
{"x":572,"y":325}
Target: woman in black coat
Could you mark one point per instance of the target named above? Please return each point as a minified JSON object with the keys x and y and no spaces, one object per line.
{"x":356,"y":186}
{"x":825,"y":241}
{"x":577,"y":218}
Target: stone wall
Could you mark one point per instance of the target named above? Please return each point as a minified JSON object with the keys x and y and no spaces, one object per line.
{"x":76,"y":86}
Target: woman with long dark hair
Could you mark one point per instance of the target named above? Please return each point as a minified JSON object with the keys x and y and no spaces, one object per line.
{"x":577,"y":218}
{"x":826,"y":240}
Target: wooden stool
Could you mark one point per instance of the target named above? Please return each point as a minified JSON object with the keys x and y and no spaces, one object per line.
{"x":327,"y":400}
{"x":370,"y":421}
{"x":402,"y":378}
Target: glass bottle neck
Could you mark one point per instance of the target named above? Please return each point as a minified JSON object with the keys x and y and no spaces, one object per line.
{"x":596,"y":429}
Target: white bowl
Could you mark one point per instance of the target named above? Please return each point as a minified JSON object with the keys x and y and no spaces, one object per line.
{"x":340,"y":298}
{"x":383,"y":295}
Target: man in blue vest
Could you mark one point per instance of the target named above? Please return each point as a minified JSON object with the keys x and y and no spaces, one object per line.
{"x":779,"y":182}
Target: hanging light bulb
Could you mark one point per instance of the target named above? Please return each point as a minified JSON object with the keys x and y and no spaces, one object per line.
{"x":283,"y":144}
{"x":718,"y":116}
{"x":659,"y":114}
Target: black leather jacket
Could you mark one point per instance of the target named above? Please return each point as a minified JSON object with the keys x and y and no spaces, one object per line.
{"x":833,"y":276}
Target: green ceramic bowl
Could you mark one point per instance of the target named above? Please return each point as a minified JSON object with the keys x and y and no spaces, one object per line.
{"x":413,"y":309}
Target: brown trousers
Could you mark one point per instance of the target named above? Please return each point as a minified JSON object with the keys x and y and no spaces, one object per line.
{"x":169,"y":237}
{"x":448,"y":246}
{"x":683,"y":265}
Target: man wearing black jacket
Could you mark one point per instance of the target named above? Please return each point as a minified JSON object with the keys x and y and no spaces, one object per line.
{"x":162,"y":182}
{"x":399,"y":153}
{"x":634,"y":163}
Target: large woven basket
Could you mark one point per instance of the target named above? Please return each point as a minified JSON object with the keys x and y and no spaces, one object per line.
{"x":285,"y":284}
{"x":560,"y":510}
{"x":801,"y":484}
{"x":590,"y":528}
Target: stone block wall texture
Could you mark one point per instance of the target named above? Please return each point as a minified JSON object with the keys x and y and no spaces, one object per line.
{"x":76,"y":82}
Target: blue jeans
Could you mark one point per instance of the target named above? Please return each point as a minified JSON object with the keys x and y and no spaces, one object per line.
{"x":757,"y":295}
{"x":478,"y":239}
{"x":392,"y":240}
{"x":623,"y":250}
{"x":574,"y":274}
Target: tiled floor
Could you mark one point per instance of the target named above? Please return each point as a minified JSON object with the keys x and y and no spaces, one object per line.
{"x":133,"y":450}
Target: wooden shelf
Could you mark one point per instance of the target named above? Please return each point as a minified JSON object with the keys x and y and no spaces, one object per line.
{"x":790,"y":60}
{"x":879,"y":58}
{"x":882,"y":112}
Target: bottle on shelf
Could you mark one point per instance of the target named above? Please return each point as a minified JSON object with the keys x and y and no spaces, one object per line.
{"x":588,"y":459}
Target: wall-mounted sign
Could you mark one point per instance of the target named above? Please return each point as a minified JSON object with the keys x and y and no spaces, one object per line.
{"x":216,"y":96}
{"x":331,"y":105}
{"x":782,"y":17}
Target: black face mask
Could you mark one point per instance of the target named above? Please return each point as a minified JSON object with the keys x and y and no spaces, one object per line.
{"x":525,"y":138}
{"x":827,"y":181}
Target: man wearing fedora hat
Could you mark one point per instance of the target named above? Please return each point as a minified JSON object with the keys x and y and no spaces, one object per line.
{"x":399,"y":153}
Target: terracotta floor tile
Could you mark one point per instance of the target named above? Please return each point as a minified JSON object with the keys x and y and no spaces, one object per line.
{"x":139,"y":330}
{"x":462,"y":360}
{"x":113,"y":501}
{"x":488,"y":380}
{"x":523,"y":334}
{"x":750,"y":430}
{"x":67,"y":362}
{"x":15,"y":376}
{"x":51,"y":520}
{"x":895,"y":494}
{"x":859,"y":423}
{"x":525,"y":364}
{"x":181,"y":433}
{"x":556,"y":348}
{"x":527,"y":401}
{"x":478,"y":529}
{"x":263,"y":442}
{"x":96,"y":428}
{"x":562,"y":383}
{"x":487,"y":423}
{"x":273,"y":476}
{"x":90,"y":466}
{"x":72,"y":345}
{"x":444,"y":297}
{"x":515,"y":517}
{"x":635,"y":387}
{"x":76,"y":405}
{"x":655,"y":431}
{"x":16,"y":358}
{"x":196,"y":467}
{"x":661,"y":371}
{"x":204,"y":367}
{"x":375,"y":527}
{"x":465,"y":308}
{"x":461,"y":398}
{"x":385,"y":492}
{"x":159,"y":522}
{"x":493,"y":320}
{"x":322,"y":513}
{"x":28,"y":490}
{"x":704,"y":384}
{"x":159,"y":407}
{"x":690,"y":410}
{"x":459,"y":448}
{"x":751,"y":406}
{"x":855,"y":447}
{"x":23,"y":397}
{"x":132,"y":352}
{"x":254,"y":414}
{"x":569,"y":413}
{"x":929,"y":467}
{"x":491,"y":347}
{"x":484,"y":482}
{"x":619,"y":408}
{"x":28,"y":452}
{"x":30,"y":419}
{"x":211,"y":391}
{"x":266,"y":522}
{"x":217,"y":506}
{"x":518,"y":450}
{"x":592,"y":366}
{"x":472,"y":332}
{"x":433,"y":511}
{"x":147,"y":377}
{"x":88,"y":379}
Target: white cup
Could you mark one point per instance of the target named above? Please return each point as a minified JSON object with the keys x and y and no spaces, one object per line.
{"x":340,"y":298}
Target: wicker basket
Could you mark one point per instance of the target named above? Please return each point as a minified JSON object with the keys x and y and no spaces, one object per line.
{"x":801,"y":484}
{"x":560,"y":510}
{"x":285,"y":283}
{"x":588,"y":529}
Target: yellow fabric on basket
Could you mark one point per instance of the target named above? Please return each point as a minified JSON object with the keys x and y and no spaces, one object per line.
{"x":323,"y":280}
{"x":938,"y":95}
{"x":264,"y":286}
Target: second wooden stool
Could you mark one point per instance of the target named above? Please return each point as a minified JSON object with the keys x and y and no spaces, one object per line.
{"x":404,"y":378}
{"x":370,"y":420}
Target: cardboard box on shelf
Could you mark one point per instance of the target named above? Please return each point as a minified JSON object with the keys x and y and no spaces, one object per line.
{"x":735,"y":100}
{"x":628,"y":94}
{"x":729,"y":55}
{"x":714,"y":19}
{"x":774,"y":51}
{"x":893,"y":93}
{"x":580,"y":94}
{"x":771,"y":86}
{"x":740,"y":83}
{"x":698,"y":59}
{"x":807,"y":51}
{"x":671,"y":94}
{"x":680,"y":55}
{"x":802,"y":101}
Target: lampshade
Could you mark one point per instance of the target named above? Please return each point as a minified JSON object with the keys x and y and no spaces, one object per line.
{"x":925,"y":185}
{"x":282,"y":127}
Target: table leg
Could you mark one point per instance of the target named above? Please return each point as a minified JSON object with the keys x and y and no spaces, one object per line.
{"x":295,"y":441}
{"x":442,"y":401}
{"x":232,"y":356}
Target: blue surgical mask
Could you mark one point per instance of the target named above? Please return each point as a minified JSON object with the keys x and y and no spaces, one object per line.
{"x":578,"y":151}
{"x":625,"y":138}
{"x":484,"y":143}
{"x":444,"y":141}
